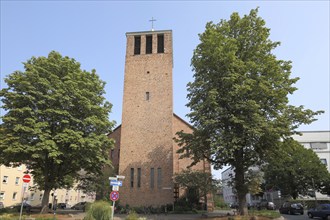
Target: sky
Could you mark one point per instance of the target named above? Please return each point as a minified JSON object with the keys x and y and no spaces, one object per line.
{"x":93,"y":33}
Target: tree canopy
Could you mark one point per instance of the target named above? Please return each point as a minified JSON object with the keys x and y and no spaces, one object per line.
{"x":239,"y":98}
{"x":295,"y":170}
{"x":56,"y":121}
{"x":197,"y":184}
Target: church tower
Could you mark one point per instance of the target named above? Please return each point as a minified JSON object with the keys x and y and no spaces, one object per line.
{"x":146,"y":142}
{"x":145,"y":152}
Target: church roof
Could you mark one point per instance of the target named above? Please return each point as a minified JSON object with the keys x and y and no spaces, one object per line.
{"x":182,"y":120}
{"x":175,"y":115}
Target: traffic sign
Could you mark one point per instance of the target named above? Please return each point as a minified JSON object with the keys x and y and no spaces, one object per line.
{"x":114,"y":195}
{"x":115,"y":188}
{"x":116,"y":183}
{"x":26,"y":178}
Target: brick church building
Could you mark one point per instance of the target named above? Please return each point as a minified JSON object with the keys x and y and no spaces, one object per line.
{"x":145,"y":152}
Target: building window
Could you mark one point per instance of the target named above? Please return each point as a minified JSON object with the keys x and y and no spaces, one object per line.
{"x":32,"y":196}
{"x":17,"y":180}
{"x":319,"y":145}
{"x":160,"y":43}
{"x":40,"y":197}
{"x":159,"y":177}
{"x":148,"y":44}
{"x":139,"y":177}
{"x":14,"y":195}
{"x":111,"y":154}
{"x":152,"y":178}
{"x":137,"y":45}
{"x":147,"y":96}
{"x":2,"y":196}
{"x":132,"y":177}
{"x":118,"y":153}
{"x":5,"y":179}
{"x":324,"y":161}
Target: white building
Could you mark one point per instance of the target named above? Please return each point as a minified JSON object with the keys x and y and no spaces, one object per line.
{"x":319,"y":141}
{"x":11,"y":190}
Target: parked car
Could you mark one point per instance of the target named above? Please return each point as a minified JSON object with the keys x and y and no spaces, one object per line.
{"x":63,"y":205}
{"x":17,"y":207}
{"x":26,"y":207}
{"x":234,"y":205}
{"x":36,"y":208}
{"x":291,"y":208}
{"x":79,"y":206}
{"x":322,"y":211}
{"x":266,"y":205}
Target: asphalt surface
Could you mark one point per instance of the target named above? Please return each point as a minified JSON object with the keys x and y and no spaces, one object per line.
{"x":79,"y":215}
{"x":217,"y":213}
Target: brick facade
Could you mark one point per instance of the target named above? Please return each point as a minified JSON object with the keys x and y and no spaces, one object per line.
{"x":145,"y":151}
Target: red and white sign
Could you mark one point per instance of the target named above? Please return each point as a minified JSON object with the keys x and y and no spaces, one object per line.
{"x":114,"y":195}
{"x":26,"y":178}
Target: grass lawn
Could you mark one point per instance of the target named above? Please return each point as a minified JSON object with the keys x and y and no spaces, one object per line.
{"x":265,"y":213}
{"x":35,"y":216}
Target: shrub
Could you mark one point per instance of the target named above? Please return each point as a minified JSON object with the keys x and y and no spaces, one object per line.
{"x":182,"y":205}
{"x":132,"y":216}
{"x":219,"y":202}
{"x":100,"y":210}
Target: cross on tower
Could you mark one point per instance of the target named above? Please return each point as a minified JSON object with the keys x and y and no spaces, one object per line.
{"x":152,"y":23}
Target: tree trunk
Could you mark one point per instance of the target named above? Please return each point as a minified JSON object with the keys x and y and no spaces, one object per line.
{"x":240,"y":186}
{"x":45,"y":201}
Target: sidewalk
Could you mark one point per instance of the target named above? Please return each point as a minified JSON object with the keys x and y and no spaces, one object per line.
{"x":217,"y":213}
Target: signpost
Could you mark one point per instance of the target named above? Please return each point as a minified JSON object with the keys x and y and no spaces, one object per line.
{"x":114,"y":195}
{"x":116,"y":183}
{"x":26,"y":179}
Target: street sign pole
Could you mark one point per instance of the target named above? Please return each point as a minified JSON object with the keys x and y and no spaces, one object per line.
{"x":113,"y":209}
{"x":21,"y":211}
{"x":114,"y":195}
{"x":26,"y":179}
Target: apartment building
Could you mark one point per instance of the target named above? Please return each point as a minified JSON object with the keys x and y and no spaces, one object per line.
{"x":318,"y":141}
{"x":11,"y":190}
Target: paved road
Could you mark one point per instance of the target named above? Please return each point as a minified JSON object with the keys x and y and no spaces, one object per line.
{"x":166,"y":217}
{"x":297,"y":217}
{"x":191,"y":216}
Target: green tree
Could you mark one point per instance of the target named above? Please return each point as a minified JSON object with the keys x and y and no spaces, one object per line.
{"x":56,"y":122}
{"x":196,"y":183}
{"x":98,"y":183}
{"x":238,"y":100}
{"x":295,"y":170}
{"x":254,"y":179}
